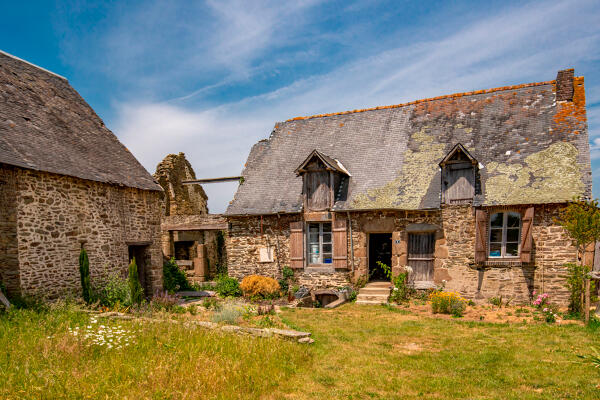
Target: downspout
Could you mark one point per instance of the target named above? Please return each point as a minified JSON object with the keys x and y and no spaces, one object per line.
{"x":277,"y":243}
{"x":351,"y":241}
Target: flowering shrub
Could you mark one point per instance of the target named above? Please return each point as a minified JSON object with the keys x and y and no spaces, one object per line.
{"x":447,"y":303}
{"x":104,"y":335}
{"x":164,"y":301}
{"x":541,"y":300}
{"x":256,"y":286}
{"x":550,"y":315}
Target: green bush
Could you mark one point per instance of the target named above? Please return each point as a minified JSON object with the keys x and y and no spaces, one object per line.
{"x":84,"y":273}
{"x":135,"y":288}
{"x":228,"y":287}
{"x":401,"y":292}
{"x":114,"y":292}
{"x":174,"y":278}
{"x":575,"y":283}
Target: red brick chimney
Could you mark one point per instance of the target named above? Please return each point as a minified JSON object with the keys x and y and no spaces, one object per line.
{"x":564,"y":85}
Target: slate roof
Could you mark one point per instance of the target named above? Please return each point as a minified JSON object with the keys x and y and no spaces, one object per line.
{"x":530,"y":149}
{"x":45,"y":125}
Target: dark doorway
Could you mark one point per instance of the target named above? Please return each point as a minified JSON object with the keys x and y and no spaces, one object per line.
{"x":421,"y":247}
{"x":142,"y":260}
{"x":380,"y":249}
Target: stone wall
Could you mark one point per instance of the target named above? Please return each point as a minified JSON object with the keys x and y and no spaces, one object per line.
{"x":9,"y":259}
{"x":552,"y":249}
{"x":454,"y":264}
{"x":180,"y":199}
{"x":245,"y":240}
{"x":58,"y":214}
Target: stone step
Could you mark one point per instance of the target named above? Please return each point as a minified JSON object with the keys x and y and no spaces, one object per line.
{"x":385,"y":284}
{"x":374,"y":290}
{"x":368,"y":297}
{"x":368,"y":302}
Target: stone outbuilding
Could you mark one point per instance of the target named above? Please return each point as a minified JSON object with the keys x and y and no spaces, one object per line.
{"x":462,"y":188}
{"x":195,"y":238}
{"x":66,"y":182}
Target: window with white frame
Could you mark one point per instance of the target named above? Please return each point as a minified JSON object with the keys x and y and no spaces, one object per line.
{"x":505,"y":234}
{"x":319,"y":243}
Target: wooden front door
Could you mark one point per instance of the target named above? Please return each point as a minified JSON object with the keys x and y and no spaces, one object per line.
{"x":421,"y":247}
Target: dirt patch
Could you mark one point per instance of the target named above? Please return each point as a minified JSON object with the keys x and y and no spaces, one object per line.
{"x":487,"y":313}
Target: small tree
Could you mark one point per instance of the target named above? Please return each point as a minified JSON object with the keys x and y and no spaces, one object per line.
{"x":84,"y":272}
{"x":135,"y":288}
{"x":581,"y":219}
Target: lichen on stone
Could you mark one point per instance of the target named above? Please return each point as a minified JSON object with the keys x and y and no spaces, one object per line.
{"x":412,"y":182}
{"x":550,"y":175}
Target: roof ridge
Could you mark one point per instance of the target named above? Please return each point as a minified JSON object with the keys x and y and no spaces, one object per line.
{"x":446,"y":96}
{"x":33,"y":65}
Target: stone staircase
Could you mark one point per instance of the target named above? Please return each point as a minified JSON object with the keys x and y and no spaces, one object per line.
{"x":374,"y":293}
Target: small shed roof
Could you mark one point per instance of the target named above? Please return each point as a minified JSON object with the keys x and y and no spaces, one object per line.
{"x":46,"y":125}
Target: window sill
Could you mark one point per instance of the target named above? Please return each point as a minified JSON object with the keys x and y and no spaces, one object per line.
{"x":502,"y":262}
{"x":320,"y":268}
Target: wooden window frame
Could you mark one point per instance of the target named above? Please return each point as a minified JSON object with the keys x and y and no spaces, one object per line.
{"x":321,"y":243}
{"x":503,"y":243}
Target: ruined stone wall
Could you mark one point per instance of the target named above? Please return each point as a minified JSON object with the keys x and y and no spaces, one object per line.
{"x":180,"y":199}
{"x":57,"y":213}
{"x":9,"y":261}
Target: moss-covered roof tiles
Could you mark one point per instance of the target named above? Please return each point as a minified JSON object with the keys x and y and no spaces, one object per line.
{"x":530,"y":149}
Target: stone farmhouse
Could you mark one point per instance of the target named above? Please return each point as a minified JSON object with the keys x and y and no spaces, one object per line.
{"x":66,"y":182}
{"x":462,"y":188}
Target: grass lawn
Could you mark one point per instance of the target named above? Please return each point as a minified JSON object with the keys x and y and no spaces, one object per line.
{"x":360,"y":352}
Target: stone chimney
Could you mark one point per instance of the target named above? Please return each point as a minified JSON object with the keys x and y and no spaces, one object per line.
{"x":564,"y":85}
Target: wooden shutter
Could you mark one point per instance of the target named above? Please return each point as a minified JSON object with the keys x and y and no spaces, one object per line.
{"x":526,"y":236}
{"x":297,"y":244}
{"x":481,"y":222}
{"x":340,"y":244}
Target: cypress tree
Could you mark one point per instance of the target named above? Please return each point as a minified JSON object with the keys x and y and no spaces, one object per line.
{"x":84,"y":272}
{"x":135,"y":288}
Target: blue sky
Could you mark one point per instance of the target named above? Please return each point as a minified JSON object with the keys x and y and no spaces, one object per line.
{"x":212,"y":78}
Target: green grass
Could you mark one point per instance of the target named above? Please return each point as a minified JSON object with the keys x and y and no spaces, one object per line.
{"x":360,"y":352}
{"x":40,"y":359}
{"x":370,"y":352}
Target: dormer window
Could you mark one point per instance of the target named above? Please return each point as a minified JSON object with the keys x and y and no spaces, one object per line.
{"x":322,"y":176}
{"x":459,"y":172}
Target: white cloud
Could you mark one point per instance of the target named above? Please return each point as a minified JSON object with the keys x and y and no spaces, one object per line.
{"x":524,"y":44}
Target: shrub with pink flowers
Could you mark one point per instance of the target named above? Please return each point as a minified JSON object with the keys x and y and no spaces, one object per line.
{"x":542,"y":300}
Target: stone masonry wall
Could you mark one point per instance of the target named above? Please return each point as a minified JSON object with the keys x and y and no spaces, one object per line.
{"x":56,"y":214}
{"x":454,"y":264}
{"x":552,"y":248}
{"x":245,"y":240}
{"x":9,"y":259}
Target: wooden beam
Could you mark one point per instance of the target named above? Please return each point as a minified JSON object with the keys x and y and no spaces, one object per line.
{"x":214,"y":226}
{"x":212,"y":180}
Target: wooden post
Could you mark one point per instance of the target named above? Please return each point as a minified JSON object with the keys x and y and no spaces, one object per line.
{"x":4,"y":300}
{"x":587,"y":299}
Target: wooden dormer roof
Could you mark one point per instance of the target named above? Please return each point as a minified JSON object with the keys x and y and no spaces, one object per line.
{"x":331,"y":164}
{"x":457,"y":148}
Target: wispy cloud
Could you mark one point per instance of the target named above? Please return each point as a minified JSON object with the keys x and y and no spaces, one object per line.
{"x":232,"y":42}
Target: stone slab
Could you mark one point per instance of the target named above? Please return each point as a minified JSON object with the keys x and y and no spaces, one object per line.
{"x":289,"y":333}
{"x":199,"y":293}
